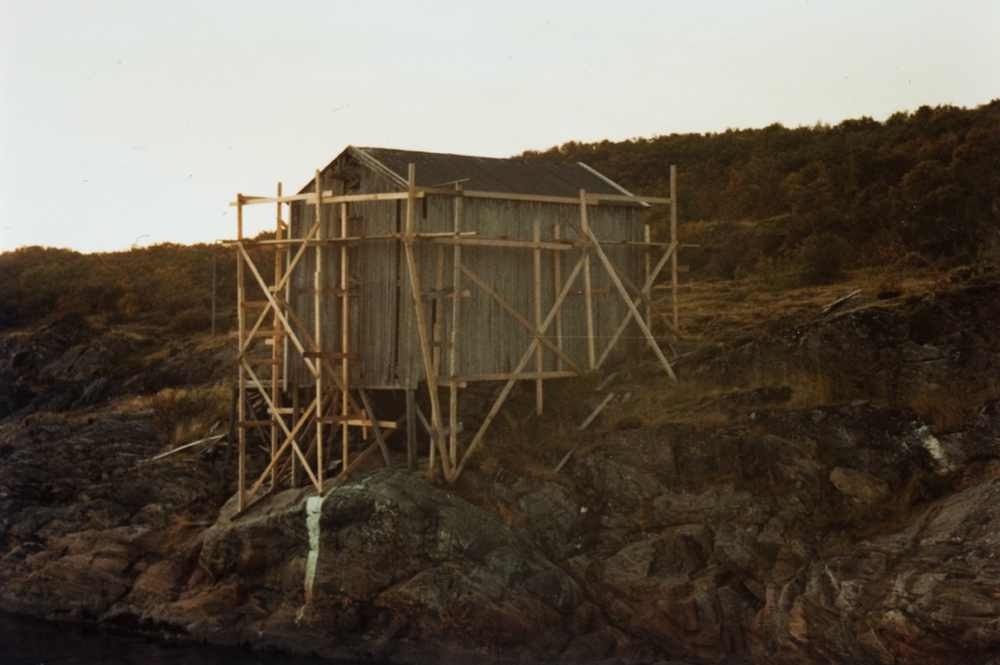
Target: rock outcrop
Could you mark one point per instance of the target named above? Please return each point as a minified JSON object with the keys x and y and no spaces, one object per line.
{"x":856,"y":531}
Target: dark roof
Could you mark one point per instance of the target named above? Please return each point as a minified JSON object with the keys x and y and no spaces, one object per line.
{"x":516,"y":176}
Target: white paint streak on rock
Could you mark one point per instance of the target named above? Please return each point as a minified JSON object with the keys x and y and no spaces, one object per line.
{"x":933,"y":447}
{"x":314,"y":510}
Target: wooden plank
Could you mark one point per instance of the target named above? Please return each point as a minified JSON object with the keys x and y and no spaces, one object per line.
{"x":352,"y":240}
{"x":276,"y":336}
{"x":840,"y":301}
{"x":593,"y":199}
{"x":345,"y":341}
{"x":354,"y":421}
{"x":376,"y":426}
{"x":241,"y":468}
{"x":418,"y":310}
{"x":647,"y":267}
{"x":458,"y":213}
{"x":437,"y":334}
{"x":588,"y":294}
{"x":186,"y":446}
{"x":504,"y":243}
{"x":268,"y":291}
{"x":505,"y":391}
{"x":556,"y":281}
{"x":293,"y":474}
{"x":330,"y":198}
{"x":673,"y":242}
{"x":564,"y":459}
{"x":289,"y":441}
{"x":318,"y":337}
{"x":536,"y":299}
{"x":522,"y":376}
{"x":596,"y":412}
{"x":274,"y":305}
{"x":612,"y":273}
{"x":517,"y":316}
{"x":646,"y":289}
{"x":631,"y":197}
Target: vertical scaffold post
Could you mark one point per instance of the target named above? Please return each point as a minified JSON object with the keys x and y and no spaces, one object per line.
{"x":674,"y":243}
{"x":588,"y":296}
{"x":276,"y":337}
{"x":647,"y":260}
{"x":421,"y":323}
{"x":456,"y":298}
{"x":556,"y":283}
{"x":318,"y":331}
{"x":241,"y":407}
{"x":345,"y":340}
{"x":536,"y":299}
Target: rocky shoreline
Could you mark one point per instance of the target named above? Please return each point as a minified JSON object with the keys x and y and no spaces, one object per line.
{"x":857,"y":530}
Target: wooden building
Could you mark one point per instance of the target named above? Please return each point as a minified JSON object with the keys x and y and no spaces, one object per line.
{"x":403,"y":270}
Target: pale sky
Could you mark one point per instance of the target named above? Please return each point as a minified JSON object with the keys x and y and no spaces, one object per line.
{"x":137,"y":122}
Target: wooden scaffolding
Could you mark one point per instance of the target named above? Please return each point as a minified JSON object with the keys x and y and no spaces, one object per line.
{"x":303,"y":423}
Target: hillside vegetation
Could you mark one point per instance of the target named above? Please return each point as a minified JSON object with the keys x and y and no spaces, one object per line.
{"x":920,"y":189}
{"x":925,"y":183}
{"x":165,"y":285}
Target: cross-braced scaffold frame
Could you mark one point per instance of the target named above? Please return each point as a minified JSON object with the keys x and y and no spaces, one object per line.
{"x":298,"y":436}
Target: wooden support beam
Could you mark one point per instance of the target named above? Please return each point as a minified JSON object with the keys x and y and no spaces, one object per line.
{"x":588,"y":303}
{"x":291,"y":336}
{"x":505,"y":243}
{"x":376,"y":426}
{"x":289,"y":442}
{"x":556,"y":281}
{"x":345,"y":342}
{"x":517,"y":316}
{"x":293,"y":474}
{"x":505,"y":391}
{"x":438,"y":325}
{"x":536,"y":301}
{"x":613,"y":274}
{"x":596,"y":412}
{"x":647,"y":266}
{"x":644,"y":293}
{"x":272,"y":301}
{"x":318,"y":334}
{"x":458,"y":213}
{"x":276,"y":333}
{"x":241,"y":436}
{"x":673,"y":242}
{"x":522,"y":376}
{"x":422,"y":192}
{"x":418,"y":309}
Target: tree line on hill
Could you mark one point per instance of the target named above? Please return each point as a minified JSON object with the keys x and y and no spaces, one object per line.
{"x":924,"y":184}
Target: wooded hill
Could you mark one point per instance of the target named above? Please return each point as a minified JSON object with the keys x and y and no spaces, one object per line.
{"x":807,"y":200}
{"x":925,"y":182}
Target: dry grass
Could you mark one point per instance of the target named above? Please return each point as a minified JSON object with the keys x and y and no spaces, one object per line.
{"x":186,"y":413}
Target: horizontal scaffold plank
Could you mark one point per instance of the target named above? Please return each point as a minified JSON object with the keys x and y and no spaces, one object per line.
{"x":330,"y":355}
{"x":312,"y":242}
{"x":359,"y":422}
{"x":330,"y":199}
{"x":592,"y":199}
{"x":506,"y":376}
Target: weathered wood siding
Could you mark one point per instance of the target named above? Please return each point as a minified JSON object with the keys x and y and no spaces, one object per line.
{"x":383,"y":329}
